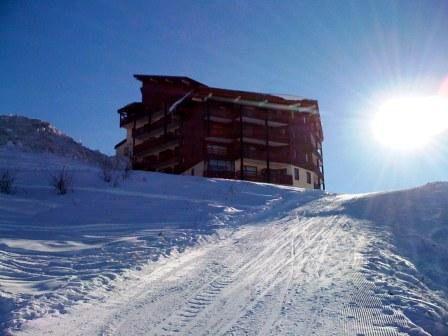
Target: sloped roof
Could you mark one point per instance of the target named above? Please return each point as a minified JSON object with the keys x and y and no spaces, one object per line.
{"x":257,"y":99}
{"x":183,"y":79}
{"x":266,"y":100}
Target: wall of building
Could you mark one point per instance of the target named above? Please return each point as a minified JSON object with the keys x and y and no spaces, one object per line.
{"x":123,"y":150}
{"x":192,"y":135}
{"x":196,"y":170}
{"x":301,"y":182}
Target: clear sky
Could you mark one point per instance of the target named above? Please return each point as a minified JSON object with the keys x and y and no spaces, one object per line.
{"x":71,"y":63}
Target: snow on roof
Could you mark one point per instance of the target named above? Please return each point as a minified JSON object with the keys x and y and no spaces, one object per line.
{"x":179,"y":101}
{"x":287,"y":96}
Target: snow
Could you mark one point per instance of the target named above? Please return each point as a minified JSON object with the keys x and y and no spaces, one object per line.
{"x":34,"y":135}
{"x":165,"y":254}
{"x":287,"y":96}
{"x":179,"y":101}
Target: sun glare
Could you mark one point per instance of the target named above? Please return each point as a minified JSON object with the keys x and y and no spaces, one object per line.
{"x":410,"y":122}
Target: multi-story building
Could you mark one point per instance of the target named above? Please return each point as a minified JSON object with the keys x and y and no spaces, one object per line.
{"x":182,"y":126}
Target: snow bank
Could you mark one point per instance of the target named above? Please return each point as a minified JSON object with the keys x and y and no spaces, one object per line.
{"x":416,"y":222}
{"x":54,"y":250}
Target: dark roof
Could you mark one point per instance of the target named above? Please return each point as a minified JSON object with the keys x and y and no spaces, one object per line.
{"x":257,"y":99}
{"x":184,"y":79}
{"x":250,"y":95}
{"x":135,"y":106}
{"x":203,"y":91}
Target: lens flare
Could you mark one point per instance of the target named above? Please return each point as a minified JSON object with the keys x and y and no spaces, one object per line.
{"x":410,"y":122}
{"x":443,"y":91}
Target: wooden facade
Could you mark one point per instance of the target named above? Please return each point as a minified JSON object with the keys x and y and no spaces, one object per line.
{"x":182,"y":126}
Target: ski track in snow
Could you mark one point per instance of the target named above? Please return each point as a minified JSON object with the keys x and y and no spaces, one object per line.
{"x":178,"y":255}
{"x":297,"y":275}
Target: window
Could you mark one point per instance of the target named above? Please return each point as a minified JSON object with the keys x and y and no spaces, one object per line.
{"x":220,"y":165}
{"x":217,"y":150}
{"x":308,"y":177}
{"x":250,"y":170}
{"x":192,"y":171}
{"x":296,"y":174}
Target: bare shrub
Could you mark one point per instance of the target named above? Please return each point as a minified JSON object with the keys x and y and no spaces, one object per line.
{"x":107,"y":170}
{"x":7,"y":180}
{"x":127,"y":168}
{"x":113,"y":170}
{"x":62,"y":181}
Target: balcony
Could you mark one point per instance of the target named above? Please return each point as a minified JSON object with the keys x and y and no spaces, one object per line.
{"x":132,"y":112}
{"x":274,"y":155}
{"x":258,"y":117}
{"x":218,"y":152}
{"x":165,"y":159}
{"x":221,"y":132}
{"x":145,"y":131}
{"x":156,"y":144}
{"x":221,"y":116}
{"x":260,"y":134}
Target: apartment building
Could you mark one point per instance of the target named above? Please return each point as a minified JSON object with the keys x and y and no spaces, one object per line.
{"x":182,"y":126}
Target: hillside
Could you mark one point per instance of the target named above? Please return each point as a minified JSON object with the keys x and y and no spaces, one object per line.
{"x":162,"y":254}
{"x":34,"y":135}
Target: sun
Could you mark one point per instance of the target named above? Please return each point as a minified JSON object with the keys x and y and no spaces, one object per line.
{"x":409,"y":123}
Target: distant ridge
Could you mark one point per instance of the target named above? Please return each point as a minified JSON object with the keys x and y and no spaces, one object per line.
{"x":34,"y":135}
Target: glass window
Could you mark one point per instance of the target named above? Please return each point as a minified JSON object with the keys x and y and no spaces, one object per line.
{"x":220,"y":165}
{"x":308,"y":177}
{"x":296,"y":173}
{"x":250,"y":170}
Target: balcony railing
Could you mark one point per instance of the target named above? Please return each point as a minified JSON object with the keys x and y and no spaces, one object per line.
{"x":274,"y":155}
{"x":132,"y":112}
{"x":225,"y":114}
{"x":144,"y":131}
{"x":260,"y":133}
{"x":261,"y":115}
{"x":228,"y":133}
{"x":151,"y":144}
{"x":273,"y":178}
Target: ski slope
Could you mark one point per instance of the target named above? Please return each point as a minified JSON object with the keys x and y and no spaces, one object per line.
{"x":179,"y":255}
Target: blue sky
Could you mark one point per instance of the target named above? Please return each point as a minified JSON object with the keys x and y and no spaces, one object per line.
{"x":71,"y":63}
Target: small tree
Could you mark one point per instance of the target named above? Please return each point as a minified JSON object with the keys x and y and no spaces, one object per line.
{"x":62,"y":181}
{"x":7,"y":180}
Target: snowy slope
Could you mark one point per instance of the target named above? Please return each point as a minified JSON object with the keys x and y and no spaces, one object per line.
{"x":55,"y":249}
{"x":34,"y":135}
{"x":163,"y":255}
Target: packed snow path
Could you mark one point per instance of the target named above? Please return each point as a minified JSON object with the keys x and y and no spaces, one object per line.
{"x":298,"y":275}
{"x":176,"y":255}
